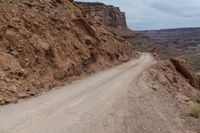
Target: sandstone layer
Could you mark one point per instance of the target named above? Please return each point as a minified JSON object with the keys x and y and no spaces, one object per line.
{"x":108,"y":15}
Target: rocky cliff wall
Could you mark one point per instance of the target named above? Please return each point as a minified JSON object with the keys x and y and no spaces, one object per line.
{"x":108,"y":15}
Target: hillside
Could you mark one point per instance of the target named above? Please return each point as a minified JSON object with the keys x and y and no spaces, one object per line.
{"x":44,"y":43}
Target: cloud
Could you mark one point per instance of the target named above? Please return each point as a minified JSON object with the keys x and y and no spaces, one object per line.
{"x":158,"y":14}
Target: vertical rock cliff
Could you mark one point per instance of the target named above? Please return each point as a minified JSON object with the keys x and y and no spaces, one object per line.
{"x":108,"y":15}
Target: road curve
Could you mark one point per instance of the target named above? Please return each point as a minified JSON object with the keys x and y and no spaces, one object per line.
{"x":84,"y":106}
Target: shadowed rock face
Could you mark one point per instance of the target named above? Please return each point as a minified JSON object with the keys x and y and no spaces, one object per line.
{"x":108,"y":15}
{"x":187,"y":72}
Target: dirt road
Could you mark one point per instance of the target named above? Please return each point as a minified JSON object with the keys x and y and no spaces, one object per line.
{"x":111,"y":101}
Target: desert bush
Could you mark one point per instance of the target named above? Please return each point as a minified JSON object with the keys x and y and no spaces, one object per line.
{"x":195,"y":110}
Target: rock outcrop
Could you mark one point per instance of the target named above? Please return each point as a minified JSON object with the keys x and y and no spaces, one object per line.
{"x":44,"y":43}
{"x":108,"y":15}
{"x":164,"y":75}
{"x":187,"y":72}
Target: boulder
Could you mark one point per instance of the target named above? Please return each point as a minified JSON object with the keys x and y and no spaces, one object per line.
{"x":186,"y":70}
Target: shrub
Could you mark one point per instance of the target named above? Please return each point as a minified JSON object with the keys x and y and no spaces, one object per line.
{"x":195,"y":111}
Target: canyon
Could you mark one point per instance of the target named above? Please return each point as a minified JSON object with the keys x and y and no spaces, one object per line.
{"x":182,"y":38}
{"x":187,"y":40}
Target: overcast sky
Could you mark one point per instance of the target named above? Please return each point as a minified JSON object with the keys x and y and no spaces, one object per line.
{"x":158,"y":14}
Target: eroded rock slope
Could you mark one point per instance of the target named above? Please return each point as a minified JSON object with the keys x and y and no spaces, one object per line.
{"x":44,"y":43}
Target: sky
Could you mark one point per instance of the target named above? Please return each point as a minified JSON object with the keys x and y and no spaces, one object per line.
{"x":158,"y":14}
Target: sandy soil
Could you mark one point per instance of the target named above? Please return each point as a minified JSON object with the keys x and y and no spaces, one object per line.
{"x":113,"y":101}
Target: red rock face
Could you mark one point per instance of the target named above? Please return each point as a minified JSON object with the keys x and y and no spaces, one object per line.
{"x":108,"y":15}
{"x":46,"y":43}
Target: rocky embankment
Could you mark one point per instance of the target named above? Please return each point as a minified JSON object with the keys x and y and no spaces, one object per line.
{"x":44,"y":43}
{"x":108,"y":15}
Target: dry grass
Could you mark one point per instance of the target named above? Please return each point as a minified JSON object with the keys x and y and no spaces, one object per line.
{"x":195,"y":110}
